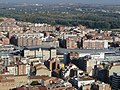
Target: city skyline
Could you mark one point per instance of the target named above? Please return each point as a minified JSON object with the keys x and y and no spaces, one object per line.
{"x":59,"y":45}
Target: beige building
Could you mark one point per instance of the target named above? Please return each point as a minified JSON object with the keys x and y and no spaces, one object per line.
{"x":42,"y":70}
{"x":95,"y":44}
{"x":21,"y":80}
{"x":114,"y":68}
{"x":13,"y":70}
{"x":42,"y":53}
{"x":40,"y":79}
{"x":7,"y":82}
{"x":39,"y":27}
{"x":21,"y":69}
{"x":71,"y":42}
{"x":52,"y":64}
{"x":33,"y":39}
{"x":10,"y":81}
{"x":103,"y":86}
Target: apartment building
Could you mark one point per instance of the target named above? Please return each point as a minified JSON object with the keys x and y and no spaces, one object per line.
{"x":42,"y":53}
{"x":21,"y":69}
{"x":27,"y":39}
{"x":95,"y":44}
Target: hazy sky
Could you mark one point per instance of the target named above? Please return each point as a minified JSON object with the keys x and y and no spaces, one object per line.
{"x":65,"y":1}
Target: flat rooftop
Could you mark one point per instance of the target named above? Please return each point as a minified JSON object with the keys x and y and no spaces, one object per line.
{"x":91,"y":51}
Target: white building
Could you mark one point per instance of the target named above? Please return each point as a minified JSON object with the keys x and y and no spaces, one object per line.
{"x":81,"y":81}
{"x":12,"y":70}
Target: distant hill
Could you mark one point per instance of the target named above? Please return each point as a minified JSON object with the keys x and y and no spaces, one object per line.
{"x":108,"y":2}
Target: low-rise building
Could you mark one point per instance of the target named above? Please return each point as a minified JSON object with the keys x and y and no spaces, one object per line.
{"x":42,"y":70}
{"x":81,"y":81}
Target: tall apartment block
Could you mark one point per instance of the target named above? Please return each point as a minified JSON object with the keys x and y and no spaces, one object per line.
{"x":26,"y":40}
